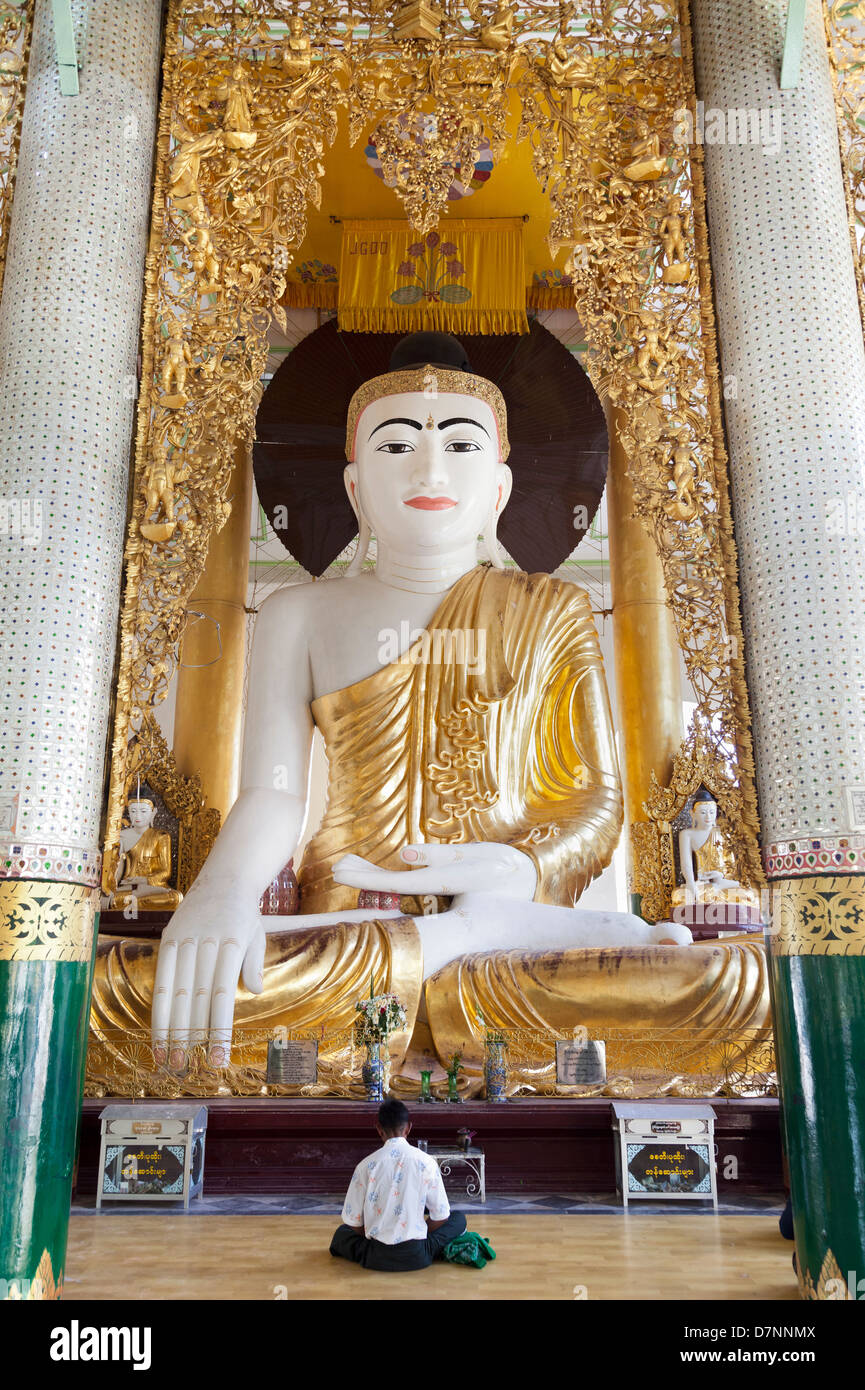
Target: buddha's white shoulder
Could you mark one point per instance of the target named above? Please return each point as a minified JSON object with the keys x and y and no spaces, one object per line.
{"x":312,"y":596}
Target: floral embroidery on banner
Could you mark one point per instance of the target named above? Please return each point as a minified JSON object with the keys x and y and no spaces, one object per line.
{"x":434,"y":265}
{"x":316,"y":271}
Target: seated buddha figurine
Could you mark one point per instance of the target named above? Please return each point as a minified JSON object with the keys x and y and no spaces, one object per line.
{"x":704,"y":862}
{"x":297,"y":56}
{"x":478,"y":764}
{"x":646,"y":162}
{"x":144,"y":863}
{"x":498,"y":33}
{"x":567,"y":69}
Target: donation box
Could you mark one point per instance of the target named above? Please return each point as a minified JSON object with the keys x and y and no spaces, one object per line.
{"x":665,"y":1151}
{"x":151,"y":1153}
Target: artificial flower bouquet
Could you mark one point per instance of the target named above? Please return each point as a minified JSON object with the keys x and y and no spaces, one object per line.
{"x":378,"y":1017}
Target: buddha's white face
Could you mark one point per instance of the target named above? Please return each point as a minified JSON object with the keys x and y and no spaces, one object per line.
{"x":140,"y":815}
{"x":427,"y":472}
{"x":704,"y":815}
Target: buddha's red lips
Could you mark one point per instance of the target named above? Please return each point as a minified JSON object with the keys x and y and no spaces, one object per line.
{"x":430,"y":504}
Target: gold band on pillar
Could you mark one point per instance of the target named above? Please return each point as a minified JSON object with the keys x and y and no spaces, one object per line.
{"x":820,"y":916}
{"x":648,"y":681}
{"x":46,"y":921}
{"x":209,"y":710}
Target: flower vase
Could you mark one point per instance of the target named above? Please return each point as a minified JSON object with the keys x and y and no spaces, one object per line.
{"x":373,"y":1073}
{"x":495,"y":1072}
{"x":454,"y":1096}
{"x":426,"y":1094}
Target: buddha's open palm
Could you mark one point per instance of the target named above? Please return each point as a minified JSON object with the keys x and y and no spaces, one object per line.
{"x":475,"y":867}
{"x":208,"y":942}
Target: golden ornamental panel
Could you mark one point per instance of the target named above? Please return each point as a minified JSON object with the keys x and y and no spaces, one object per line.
{"x":690,"y":1063}
{"x":46,"y":921}
{"x":16,"y":27}
{"x":818,"y":916}
{"x":845,"y":34}
{"x":606,"y":102}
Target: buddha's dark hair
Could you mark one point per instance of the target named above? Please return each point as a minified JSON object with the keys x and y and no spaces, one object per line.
{"x":432,"y":349}
{"x":392,"y":1116}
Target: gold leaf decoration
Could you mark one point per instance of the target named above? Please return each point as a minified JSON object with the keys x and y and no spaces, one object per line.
{"x":16,"y":27}
{"x":251,"y":98}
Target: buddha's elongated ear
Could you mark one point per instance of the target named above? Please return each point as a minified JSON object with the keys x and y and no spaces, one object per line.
{"x":504,"y":483}
{"x":349,"y":475}
{"x":364,"y":532}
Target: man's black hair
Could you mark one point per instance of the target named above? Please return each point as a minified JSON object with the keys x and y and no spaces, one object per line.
{"x":393,"y":1116}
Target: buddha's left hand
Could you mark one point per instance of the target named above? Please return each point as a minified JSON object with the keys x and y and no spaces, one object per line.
{"x":476,"y":867}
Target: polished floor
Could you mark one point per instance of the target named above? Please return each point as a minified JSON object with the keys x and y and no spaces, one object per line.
{"x":593,"y":1255}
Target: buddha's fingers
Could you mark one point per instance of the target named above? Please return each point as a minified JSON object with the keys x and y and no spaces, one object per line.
{"x":253,"y":963}
{"x":231,"y":952}
{"x":391,"y":880}
{"x":181,"y":1003}
{"x":202,"y":993}
{"x":427,"y":855}
{"x":163,"y":993}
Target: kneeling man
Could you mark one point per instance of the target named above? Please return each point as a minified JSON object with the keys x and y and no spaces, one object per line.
{"x":383,"y":1215}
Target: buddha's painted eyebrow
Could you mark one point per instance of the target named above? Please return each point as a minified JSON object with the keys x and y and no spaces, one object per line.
{"x":461,"y":420}
{"x":415,"y":424}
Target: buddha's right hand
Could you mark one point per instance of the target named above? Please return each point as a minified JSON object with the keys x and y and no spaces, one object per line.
{"x":207,"y":943}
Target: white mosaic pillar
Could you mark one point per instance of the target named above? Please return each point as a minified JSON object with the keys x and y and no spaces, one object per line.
{"x":69,"y":334}
{"x":793,"y":359}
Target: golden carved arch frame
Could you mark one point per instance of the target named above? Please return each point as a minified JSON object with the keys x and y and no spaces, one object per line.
{"x":250,"y":101}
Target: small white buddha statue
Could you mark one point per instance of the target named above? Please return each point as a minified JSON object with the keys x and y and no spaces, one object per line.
{"x":143,"y":863}
{"x":703,"y":860}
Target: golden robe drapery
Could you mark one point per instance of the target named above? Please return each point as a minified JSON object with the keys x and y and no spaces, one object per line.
{"x":495,"y":725}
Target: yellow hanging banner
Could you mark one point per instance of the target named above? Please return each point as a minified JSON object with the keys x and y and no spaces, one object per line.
{"x":468,"y":277}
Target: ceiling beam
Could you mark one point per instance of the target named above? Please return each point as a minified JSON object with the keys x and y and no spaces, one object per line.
{"x":64,"y":41}
{"x":794,"y":38}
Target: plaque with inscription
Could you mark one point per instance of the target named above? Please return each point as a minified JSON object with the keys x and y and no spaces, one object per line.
{"x":292,"y":1062}
{"x":581,"y":1063}
{"x":139,"y":1170}
{"x":669,"y":1169}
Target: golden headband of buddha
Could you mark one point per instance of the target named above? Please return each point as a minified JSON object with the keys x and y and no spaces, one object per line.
{"x":430,"y":381}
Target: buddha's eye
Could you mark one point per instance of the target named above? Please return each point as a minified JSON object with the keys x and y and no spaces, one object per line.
{"x":461,"y":446}
{"x":394,"y":446}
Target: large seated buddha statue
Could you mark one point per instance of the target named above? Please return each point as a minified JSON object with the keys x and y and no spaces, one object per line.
{"x":471,"y":756}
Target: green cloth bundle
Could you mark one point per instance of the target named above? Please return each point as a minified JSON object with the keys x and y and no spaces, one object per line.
{"x":469,"y":1249}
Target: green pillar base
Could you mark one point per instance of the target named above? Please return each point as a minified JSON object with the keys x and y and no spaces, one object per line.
{"x":44,"y":1015}
{"x":818,"y":983}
